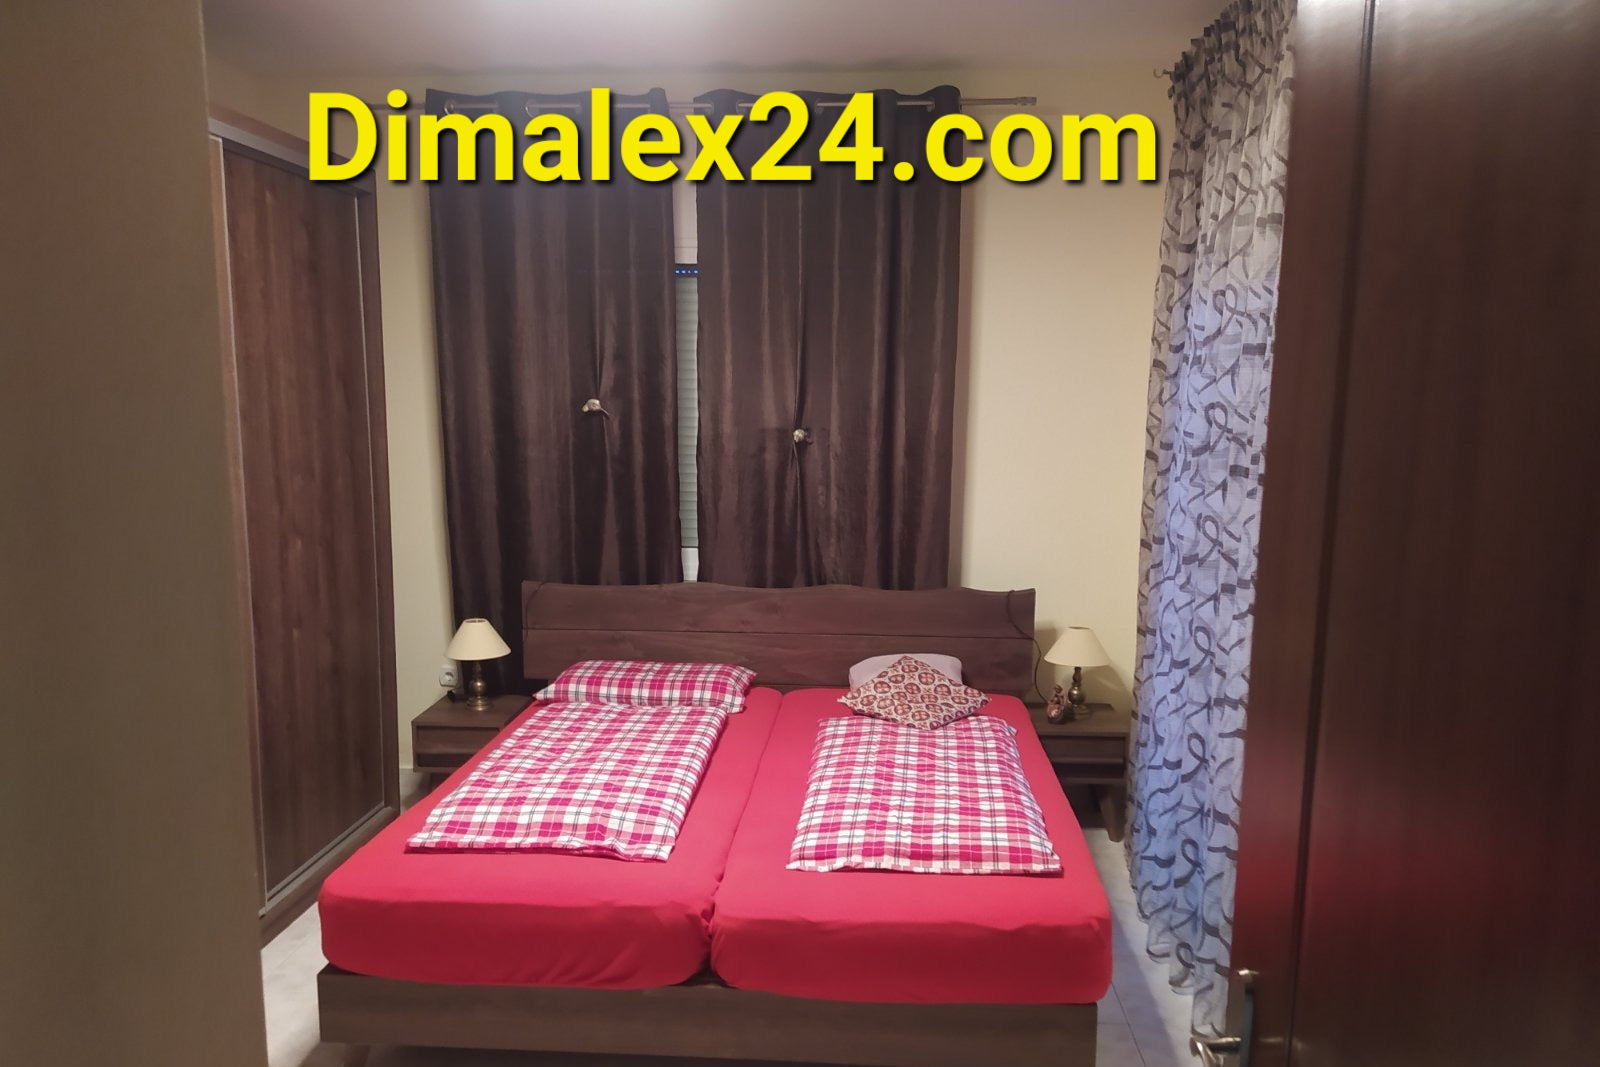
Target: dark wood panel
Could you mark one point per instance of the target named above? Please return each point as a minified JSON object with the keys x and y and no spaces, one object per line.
{"x":449,"y":733}
{"x":1321,"y":205}
{"x":1085,"y":749}
{"x":1451,"y":873}
{"x":703,"y":1019}
{"x":445,"y":713}
{"x":311,"y":506}
{"x":1097,"y":720}
{"x":827,"y":609}
{"x":790,"y":637}
{"x":453,"y":740}
{"x":783,"y":661}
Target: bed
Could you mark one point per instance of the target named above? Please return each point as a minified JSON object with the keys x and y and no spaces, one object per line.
{"x":882,"y":936}
{"x":544,"y":918}
{"x":795,"y":639}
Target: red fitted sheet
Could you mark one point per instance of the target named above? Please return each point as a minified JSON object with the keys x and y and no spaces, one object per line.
{"x":544,"y":918}
{"x":887,"y":936}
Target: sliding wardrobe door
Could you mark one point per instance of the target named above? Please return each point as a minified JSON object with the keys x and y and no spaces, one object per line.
{"x":307,"y":373}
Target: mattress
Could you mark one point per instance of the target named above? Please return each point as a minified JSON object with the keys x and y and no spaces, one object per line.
{"x":544,"y":918}
{"x":883,"y":936}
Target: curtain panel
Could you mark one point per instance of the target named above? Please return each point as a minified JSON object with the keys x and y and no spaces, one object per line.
{"x":827,"y":358}
{"x":1216,"y":295}
{"x":547,"y":296}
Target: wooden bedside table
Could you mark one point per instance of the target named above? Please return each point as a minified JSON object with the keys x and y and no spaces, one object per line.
{"x":448,"y":733}
{"x":1091,"y":751}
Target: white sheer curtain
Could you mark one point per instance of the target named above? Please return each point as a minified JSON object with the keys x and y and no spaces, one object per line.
{"x":1211,"y":361}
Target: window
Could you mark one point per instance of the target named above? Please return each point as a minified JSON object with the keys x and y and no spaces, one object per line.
{"x":686,"y":289}
{"x":686,"y":293}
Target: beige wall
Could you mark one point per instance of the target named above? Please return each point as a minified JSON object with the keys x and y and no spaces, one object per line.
{"x":1056,"y":352}
{"x":128,"y":929}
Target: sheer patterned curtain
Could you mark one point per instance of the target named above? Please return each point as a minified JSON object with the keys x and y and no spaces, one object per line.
{"x":1212,"y":357}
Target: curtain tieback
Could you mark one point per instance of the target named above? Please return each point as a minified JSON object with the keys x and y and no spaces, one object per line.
{"x":593,"y":405}
{"x":802,"y":436}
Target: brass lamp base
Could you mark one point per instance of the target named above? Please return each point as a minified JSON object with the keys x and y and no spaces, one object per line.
{"x":1075,"y":694}
{"x":477,"y":689}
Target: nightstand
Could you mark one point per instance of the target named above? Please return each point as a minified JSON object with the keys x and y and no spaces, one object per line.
{"x":1091,"y":751}
{"x":449,"y":733}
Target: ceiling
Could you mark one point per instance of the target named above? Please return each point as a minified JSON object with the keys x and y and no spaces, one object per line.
{"x":437,"y":36}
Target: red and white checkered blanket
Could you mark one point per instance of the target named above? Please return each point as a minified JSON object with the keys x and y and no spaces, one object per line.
{"x":598,"y":779}
{"x":883,"y":796}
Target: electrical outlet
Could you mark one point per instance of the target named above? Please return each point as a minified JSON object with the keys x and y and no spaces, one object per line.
{"x":449,"y":675}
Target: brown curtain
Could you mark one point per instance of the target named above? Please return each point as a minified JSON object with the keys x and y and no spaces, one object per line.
{"x":548,"y":295}
{"x":827,"y":358}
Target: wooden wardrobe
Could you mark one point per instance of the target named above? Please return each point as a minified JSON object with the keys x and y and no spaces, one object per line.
{"x":1417,"y":866}
{"x":298,"y":271}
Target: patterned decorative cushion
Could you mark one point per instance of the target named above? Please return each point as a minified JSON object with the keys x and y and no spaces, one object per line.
{"x":651,"y":684}
{"x":914,"y":693}
{"x":863,"y":671}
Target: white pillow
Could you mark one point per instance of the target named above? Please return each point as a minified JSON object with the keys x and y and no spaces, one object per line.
{"x":948,"y":666}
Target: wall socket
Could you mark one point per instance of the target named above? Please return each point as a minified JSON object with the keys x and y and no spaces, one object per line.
{"x":449,"y":675}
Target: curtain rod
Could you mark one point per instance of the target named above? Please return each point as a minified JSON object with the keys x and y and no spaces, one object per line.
{"x":966,"y":102}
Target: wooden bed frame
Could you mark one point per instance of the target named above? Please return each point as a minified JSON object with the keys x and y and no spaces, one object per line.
{"x":792,"y":638}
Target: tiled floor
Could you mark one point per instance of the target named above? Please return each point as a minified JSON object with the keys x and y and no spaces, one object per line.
{"x":1142,"y":1022}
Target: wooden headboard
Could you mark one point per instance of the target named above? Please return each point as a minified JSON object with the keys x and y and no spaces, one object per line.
{"x":791,"y":638}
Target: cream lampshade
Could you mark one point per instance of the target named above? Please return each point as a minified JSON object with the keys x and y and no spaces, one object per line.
{"x":474,"y":642}
{"x":1077,"y":647}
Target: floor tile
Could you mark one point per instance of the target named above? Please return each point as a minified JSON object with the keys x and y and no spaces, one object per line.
{"x":1115,"y":1047}
{"x":1156,"y":1014}
{"x":1111,"y":1013}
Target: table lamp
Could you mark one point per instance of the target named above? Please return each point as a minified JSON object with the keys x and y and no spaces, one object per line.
{"x":1077,"y":647}
{"x":473,"y":643}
